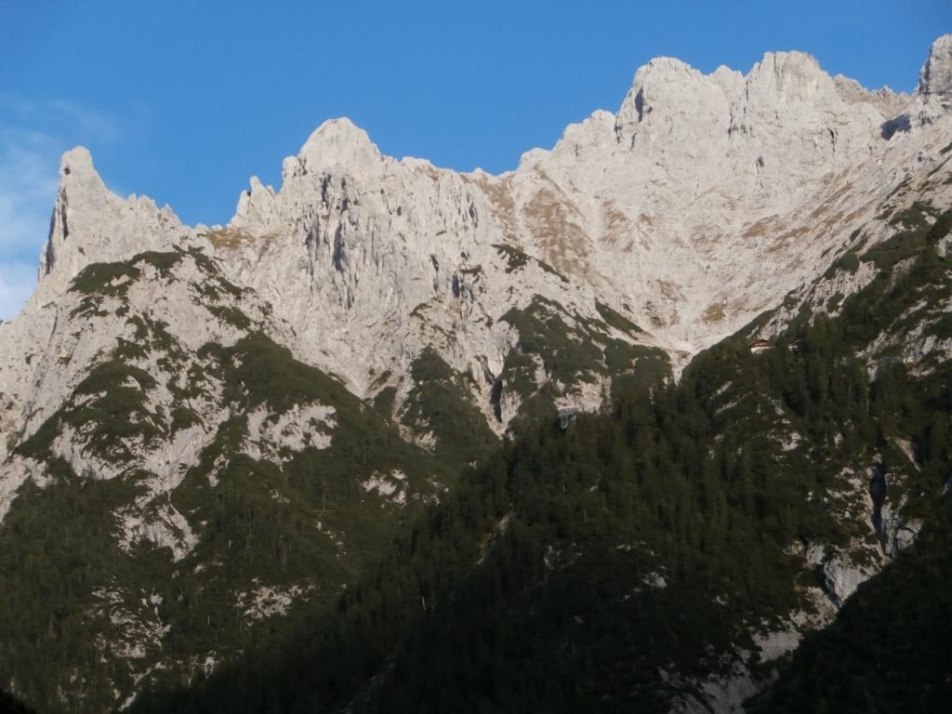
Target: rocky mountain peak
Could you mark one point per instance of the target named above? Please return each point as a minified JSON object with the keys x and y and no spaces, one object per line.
{"x":661,"y":79}
{"x":80,"y":185}
{"x":91,"y":224}
{"x":672,"y":85}
{"x":338,"y":142}
{"x":693,"y":165}
{"x":791,"y":76}
{"x":681,"y":108}
{"x":935,"y":79}
{"x":77,"y":171}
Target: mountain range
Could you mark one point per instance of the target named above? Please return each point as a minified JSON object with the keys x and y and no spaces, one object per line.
{"x":657,"y":421}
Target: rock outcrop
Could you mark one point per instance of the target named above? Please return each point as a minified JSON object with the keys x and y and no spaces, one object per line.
{"x":90,"y":224}
{"x":935,"y":80}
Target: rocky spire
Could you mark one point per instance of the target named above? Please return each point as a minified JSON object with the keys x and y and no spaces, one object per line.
{"x":933,"y":96}
{"x":80,"y":190}
{"x":339,"y":142}
{"x":935,"y":79}
{"x":92,"y":224}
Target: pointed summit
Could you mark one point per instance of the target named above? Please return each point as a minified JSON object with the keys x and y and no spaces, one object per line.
{"x":791,"y":76}
{"x":78,"y":160}
{"x":935,"y":79}
{"x":338,"y":142}
{"x":91,"y":224}
{"x":77,"y":172}
{"x":79,"y":185}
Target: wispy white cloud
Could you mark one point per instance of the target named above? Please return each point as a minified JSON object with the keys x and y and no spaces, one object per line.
{"x":17,"y":280}
{"x":33,"y":135}
{"x":59,"y":118}
{"x":27,"y":188}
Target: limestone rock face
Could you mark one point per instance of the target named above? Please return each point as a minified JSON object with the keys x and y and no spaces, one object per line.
{"x":933,"y":97}
{"x":91,"y":224}
{"x":339,"y":143}
{"x":935,"y":80}
{"x":701,"y":203}
{"x":698,"y":205}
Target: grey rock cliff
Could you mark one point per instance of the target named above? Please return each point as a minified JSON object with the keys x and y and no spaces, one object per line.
{"x":935,"y":80}
{"x":701,"y":203}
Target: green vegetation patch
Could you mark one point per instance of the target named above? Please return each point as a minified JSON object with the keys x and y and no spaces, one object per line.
{"x":117,"y":415}
{"x":257,"y":371}
{"x":384,"y":400}
{"x":914,"y":218}
{"x":573,"y":350}
{"x":617,"y":320}
{"x":109,"y":279}
{"x":230,"y":315}
{"x":109,"y":408}
{"x":515,"y":258}
{"x":848,"y":262}
{"x":567,"y":354}
{"x":113,"y":279}
{"x":60,"y":570}
{"x":100,"y":280}
{"x":440,"y":404}
{"x":162,"y":261}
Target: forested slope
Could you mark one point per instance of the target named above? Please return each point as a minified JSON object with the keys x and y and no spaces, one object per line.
{"x":888,"y":651}
{"x":614,"y":562}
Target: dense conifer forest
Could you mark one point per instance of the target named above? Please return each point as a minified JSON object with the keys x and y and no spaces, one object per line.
{"x":888,"y":649}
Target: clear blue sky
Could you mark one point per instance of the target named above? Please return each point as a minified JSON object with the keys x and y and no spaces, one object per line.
{"x":184,"y":101}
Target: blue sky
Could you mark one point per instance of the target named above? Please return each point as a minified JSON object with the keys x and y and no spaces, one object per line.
{"x":184,"y":101}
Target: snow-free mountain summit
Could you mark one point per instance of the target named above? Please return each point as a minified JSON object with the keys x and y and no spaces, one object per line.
{"x":211,"y":430}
